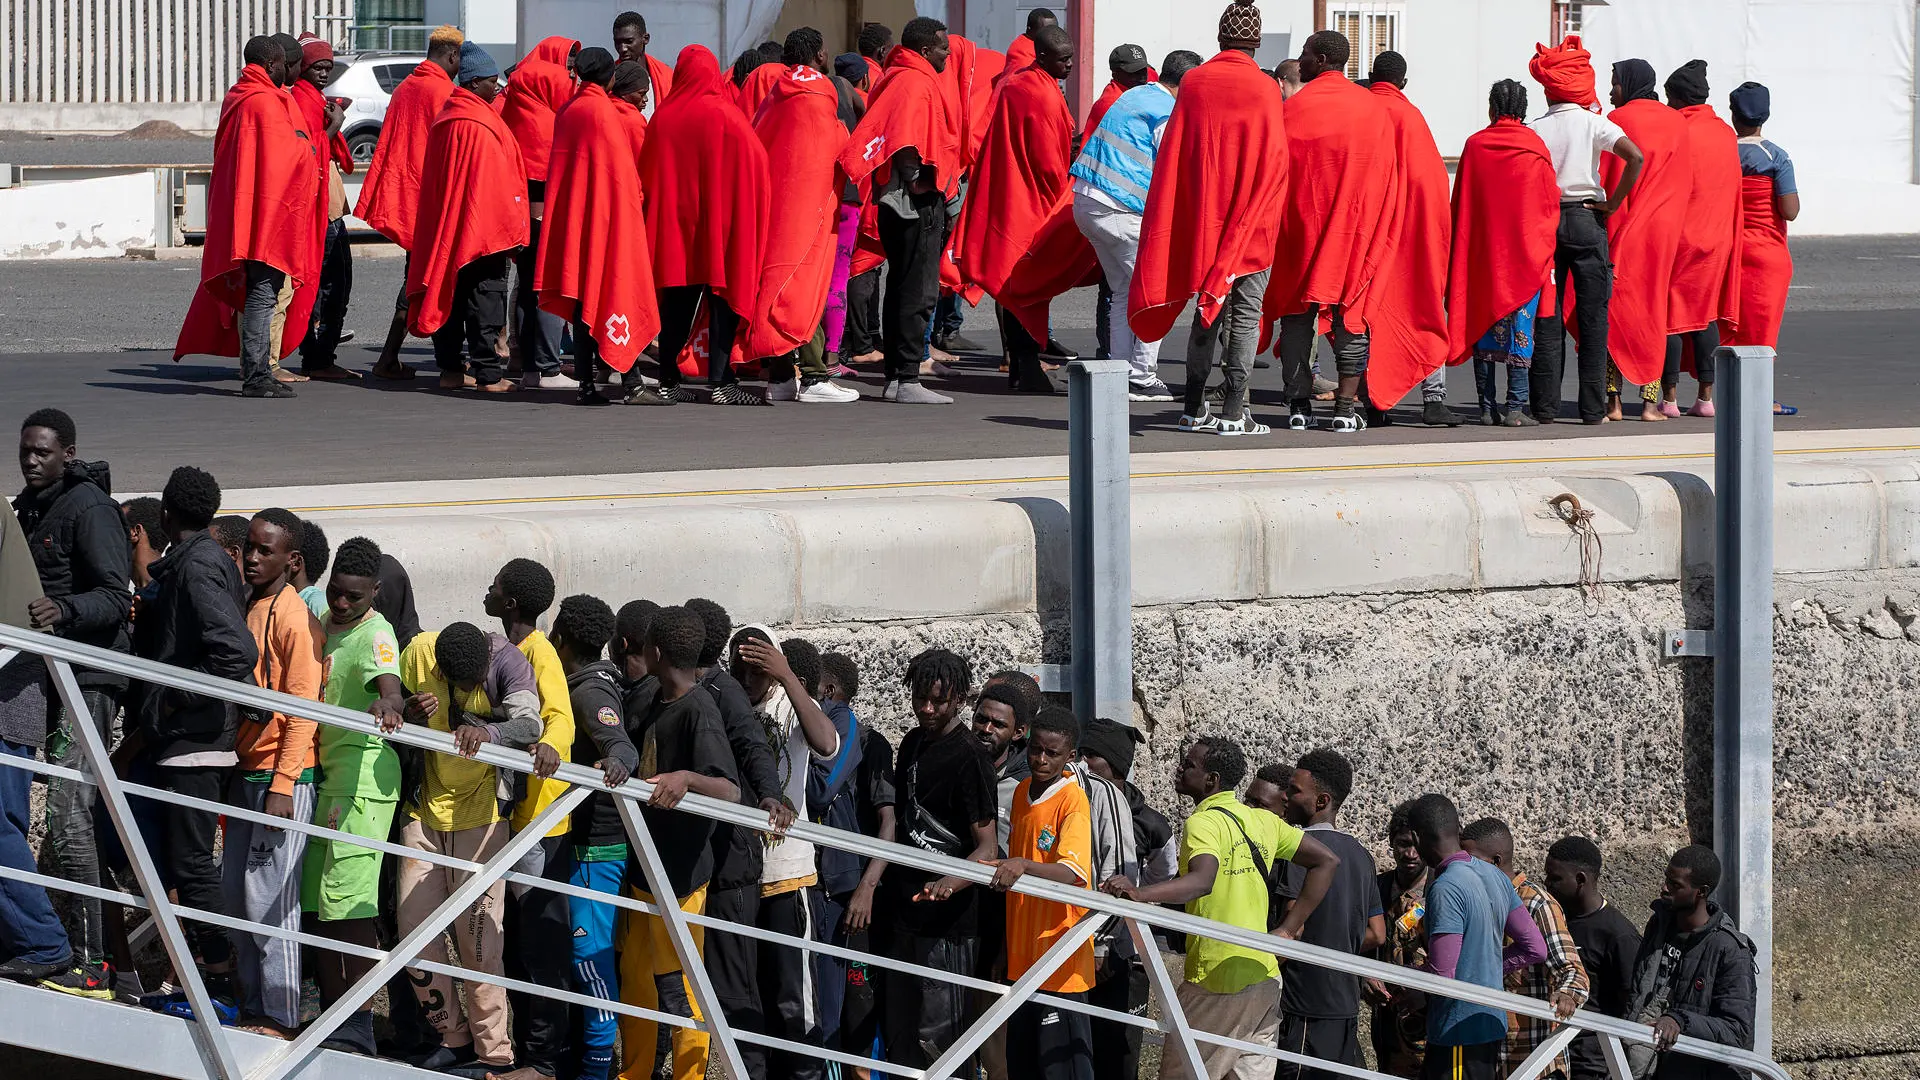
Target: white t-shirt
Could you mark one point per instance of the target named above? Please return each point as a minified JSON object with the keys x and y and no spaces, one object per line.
{"x":789,"y":858}
{"x":1576,"y":137}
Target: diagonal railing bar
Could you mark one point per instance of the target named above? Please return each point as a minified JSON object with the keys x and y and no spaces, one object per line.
{"x":1538,"y":1062}
{"x":60,"y":649}
{"x":1615,"y":1054}
{"x":410,"y":944}
{"x":215,"y":1050}
{"x":1023,"y":987}
{"x":693,"y":966}
{"x":1173,"y":1020}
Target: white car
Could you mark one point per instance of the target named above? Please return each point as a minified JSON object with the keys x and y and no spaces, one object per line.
{"x":365,"y":82}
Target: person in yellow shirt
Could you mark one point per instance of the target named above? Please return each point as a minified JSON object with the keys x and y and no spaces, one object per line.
{"x":539,"y":925}
{"x":1227,"y":855}
{"x":1050,"y":837}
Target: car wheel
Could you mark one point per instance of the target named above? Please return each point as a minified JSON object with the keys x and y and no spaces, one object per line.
{"x":361,"y":143}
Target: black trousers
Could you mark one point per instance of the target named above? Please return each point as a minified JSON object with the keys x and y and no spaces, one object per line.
{"x":1045,"y":1043}
{"x":913,"y":248}
{"x":733,"y":961}
{"x":586,"y":351}
{"x":1103,"y":319}
{"x":924,"y":1016}
{"x":1579,"y":257}
{"x":322,"y":345}
{"x":540,"y":331}
{"x":181,"y":843}
{"x":539,"y":937}
{"x":1704,"y":343}
{"x":862,"y":331}
{"x":1122,"y":987}
{"x":679,"y":306}
{"x":1330,"y":1040}
{"x":789,"y":996}
{"x":479,"y":313}
{"x":865,"y":1001}
{"x":1482,"y":1061}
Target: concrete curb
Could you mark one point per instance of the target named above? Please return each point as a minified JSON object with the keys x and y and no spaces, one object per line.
{"x":862,"y":560}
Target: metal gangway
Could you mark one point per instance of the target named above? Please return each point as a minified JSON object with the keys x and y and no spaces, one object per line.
{"x":201,"y":1049}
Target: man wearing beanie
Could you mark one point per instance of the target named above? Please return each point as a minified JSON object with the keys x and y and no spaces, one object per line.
{"x":1769,"y":199}
{"x":1706,"y":273}
{"x":318,"y":353}
{"x":1212,"y":219}
{"x":473,"y":218}
{"x":1576,"y":136}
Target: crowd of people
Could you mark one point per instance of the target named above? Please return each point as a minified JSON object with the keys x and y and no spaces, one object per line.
{"x":679,"y":696}
{"x":740,"y":221}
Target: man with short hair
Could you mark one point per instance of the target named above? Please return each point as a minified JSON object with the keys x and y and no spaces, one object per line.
{"x":472,"y":221}
{"x":310,"y":567}
{"x":390,"y":196}
{"x":1111,"y":179}
{"x":1287,"y":73}
{"x":1319,"y":1007}
{"x":1576,"y":136}
{"x":874,"y":43}
{"x":1226,"y":856}
{"x":1209,"y":233}
{"x":265,"y":170}
{"x":1605,"y":940}
{"x":1000,"y":721}
{"x":1561,"y":981}
{"x":1335,"y":232}
{"x":193,"y":617}
{"x":76,"y":535}
{"x":945,"y":804}
{"x":142,"y":516}
{"x":261,"y":863}
{"x":1472,"y":910}
{"x":1023,"y":50}
{"x":630,"y":41}
{"x":481,"y":689}
{"x":906,"y":151}
{"x":1693,"y":976}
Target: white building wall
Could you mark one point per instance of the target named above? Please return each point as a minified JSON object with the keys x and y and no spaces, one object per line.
{"x":1161,"y":26}
{"x":673,"y":26}
{"x":1457,"y":49}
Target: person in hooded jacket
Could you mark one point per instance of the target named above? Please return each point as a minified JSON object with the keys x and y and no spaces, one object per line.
{"x":1694,"y":976}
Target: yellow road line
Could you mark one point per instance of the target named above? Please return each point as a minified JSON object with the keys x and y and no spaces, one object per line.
{"x":991,"y":481}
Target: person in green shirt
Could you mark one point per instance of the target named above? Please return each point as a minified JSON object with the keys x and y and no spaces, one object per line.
{"x":359,"y":785}
{"x":1227,"y":854}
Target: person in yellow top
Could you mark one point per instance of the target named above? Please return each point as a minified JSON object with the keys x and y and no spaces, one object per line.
{"x":480,"y":688}
{"x":539,"y":924}
{"x":261,"y":866}
{"x":1228,"y":852}
{"x":1050,"y":837}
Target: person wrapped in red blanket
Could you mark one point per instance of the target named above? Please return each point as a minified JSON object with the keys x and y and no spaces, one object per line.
{"x":541,"y":85}
{"x":630,"y":41}
{"x":1212,"y":219}
{"x":319,"y":351}
{"x":1705,"y":294}
{"x":265,"y":175}
{"x":1770,"y":198}
{"x":1344,"y":189}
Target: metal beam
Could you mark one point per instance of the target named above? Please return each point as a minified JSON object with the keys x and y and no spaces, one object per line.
{"x":1100,"y":508}
{"x":1023,"y":988}
{"x":1173,"y":1018}
{"x":1743,"y":666}
{"x":216,"y":1053}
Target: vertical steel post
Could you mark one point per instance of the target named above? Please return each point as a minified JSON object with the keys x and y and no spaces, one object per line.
{"x":1099,"y":504}
{"x":1743,"y":661}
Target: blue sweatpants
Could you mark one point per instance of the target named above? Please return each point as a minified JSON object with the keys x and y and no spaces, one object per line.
{"x":595,"y":971}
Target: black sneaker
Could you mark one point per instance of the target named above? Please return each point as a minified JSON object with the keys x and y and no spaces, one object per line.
{"x":646,"y":395}
{"x":29,"y":972}
{"x":1053,"y":350}
{"x":354,"y":1037}
{"x":591,"y":395}
{"x":80,"y":982}
{"x":448,"y":1058}
{"x":1436,"y":414}
{"x":267,"y":388}
{"x":735,"y":394}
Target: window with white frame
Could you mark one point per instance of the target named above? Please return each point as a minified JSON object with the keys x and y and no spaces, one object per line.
{"x":1371,"y":27}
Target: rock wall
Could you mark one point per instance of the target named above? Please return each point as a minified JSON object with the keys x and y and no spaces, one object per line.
{"x":1555,"y":711}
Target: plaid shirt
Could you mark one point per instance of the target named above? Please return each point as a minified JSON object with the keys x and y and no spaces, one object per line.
{"x":1562,"y":973}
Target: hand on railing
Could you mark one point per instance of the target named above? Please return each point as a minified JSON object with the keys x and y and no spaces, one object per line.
{"x":1666,"y":1031}
{"x":470,"y":738}
{"x":546,"y":761}
{"x":386,"y":716}
{"x":1119,"y":885}
{"x":1564,"y":1004}
{"x":1008,"y":871}
{"x":615,"y":772}
{"x":941,"y":888}
{"x":779,"y":815}
{"x":668,"y":789}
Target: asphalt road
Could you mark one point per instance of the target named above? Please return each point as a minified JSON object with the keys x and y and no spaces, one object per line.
{"x":95,"y":338}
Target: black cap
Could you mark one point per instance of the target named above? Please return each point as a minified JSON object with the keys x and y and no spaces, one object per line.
{"x":1127,"y":58}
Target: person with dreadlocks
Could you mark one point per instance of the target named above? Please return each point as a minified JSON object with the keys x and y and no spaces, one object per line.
{"x":1643,"y":237}
{"x":1706,"y":274}
{"x":945,"y":803}
{"x":800,"y":734}
{"x":1506,"y":215}
{"x":1577,"y":136}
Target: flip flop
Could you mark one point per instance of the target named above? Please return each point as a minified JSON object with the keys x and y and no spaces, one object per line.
{"x":1784,"y":410}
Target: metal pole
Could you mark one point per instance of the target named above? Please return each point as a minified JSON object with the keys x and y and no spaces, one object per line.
{"x":1099,"y":504}
{"x":1743,"y":664}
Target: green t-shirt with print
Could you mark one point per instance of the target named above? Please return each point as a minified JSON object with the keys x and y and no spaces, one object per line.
{"x":351,"y":764}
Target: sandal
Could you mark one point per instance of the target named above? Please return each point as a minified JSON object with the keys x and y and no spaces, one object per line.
{"x":1246,"y":425}
{"x":1348,"y":424}
{"x":1784,"y":410}
{"x":1206,"y":422}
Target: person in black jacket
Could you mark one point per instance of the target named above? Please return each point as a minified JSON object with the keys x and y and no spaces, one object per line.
{"x":1694,"y":975}
{"x":79,"y":545}
{"x":184,"y":742}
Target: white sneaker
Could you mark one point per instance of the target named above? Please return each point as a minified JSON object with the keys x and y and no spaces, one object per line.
{"x":1149,"y":391}
{"x":892,"y":391}
{"x":533,"y":380}
{"x":785,"y":391}
{"x":828,"y":392}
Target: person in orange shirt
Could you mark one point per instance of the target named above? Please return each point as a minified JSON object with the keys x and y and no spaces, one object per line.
{"x":1051,"y":838}
{"x":260,"y":871}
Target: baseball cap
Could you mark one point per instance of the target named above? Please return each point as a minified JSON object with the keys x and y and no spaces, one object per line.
{"x":1128,"y":58}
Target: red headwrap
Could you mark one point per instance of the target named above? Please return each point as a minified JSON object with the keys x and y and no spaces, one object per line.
{"x":1565,"y":72}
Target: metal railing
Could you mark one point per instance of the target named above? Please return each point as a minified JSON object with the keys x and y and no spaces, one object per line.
{"x":300,"y":1057}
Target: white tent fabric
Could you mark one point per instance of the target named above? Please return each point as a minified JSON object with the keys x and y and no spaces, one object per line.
{"x":1841,"y":71}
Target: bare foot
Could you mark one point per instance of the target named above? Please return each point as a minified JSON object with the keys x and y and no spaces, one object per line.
{"x":286,"y":376}
{"x":1651,"y":413}
{"x":392,"y":369}
{"x":942,"y":355}
{"x":1613,"y":409}
{"x":873,"y":357}
{"x":453,"y":380}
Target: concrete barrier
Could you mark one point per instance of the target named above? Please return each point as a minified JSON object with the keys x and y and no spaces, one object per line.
{"x":861,"y":560}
